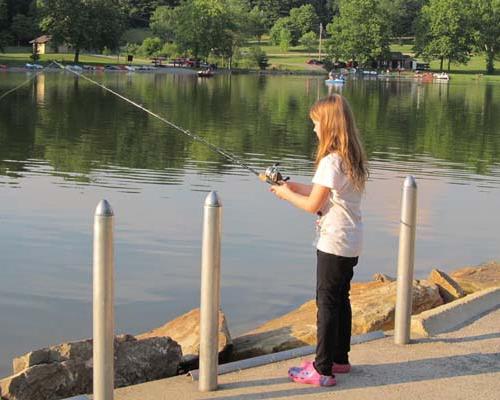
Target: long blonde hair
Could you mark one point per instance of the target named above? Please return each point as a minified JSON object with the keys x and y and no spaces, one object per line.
{"x":338,"y":134}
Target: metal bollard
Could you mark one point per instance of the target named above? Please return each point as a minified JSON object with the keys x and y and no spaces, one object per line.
{"x":406,"y":258}
{"x":210,"y":293}
{"x":103,"y":302}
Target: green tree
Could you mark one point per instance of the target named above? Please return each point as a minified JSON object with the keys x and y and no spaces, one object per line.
{"x":23,"y":28}
{"x":285,"y":39}
{"x":83,"y":24}
{"x":360,"y":32}
{"x":163,"y":22}
{"x":151,"y":46}
{"x":304,"y":19}
{"x":402,"y":15}
{"x":209,"y":26}
{"x":300,"y":21}
{"x":445,"y":31}
{"x":487,"y":21}
{"x":257,"y":23}
{"x":309,"y":40}
{"x":259,"y":57}
{"x":4,"y":19}
{"x":139,"y":12}
{"x":275,"y":32}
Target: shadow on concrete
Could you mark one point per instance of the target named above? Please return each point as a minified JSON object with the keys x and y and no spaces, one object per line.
{"x":458,"y":340}
{"x":373,"y":375}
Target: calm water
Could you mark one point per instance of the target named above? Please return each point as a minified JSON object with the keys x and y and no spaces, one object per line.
{"x":65,"y":144}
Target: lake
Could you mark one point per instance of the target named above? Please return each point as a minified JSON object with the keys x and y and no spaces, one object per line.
{"x":65,"y":144}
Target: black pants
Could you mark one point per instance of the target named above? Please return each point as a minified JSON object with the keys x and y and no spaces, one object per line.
{"x":334,"y":319}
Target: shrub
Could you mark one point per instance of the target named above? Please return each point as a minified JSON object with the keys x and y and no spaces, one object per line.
{"x":308,"y":40}
{"x":150,"y":46}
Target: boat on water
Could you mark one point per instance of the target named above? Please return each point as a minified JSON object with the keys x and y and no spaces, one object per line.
{"x":336,"y":81}
{"x":207,"y":73}
{"x":33,"y":66}
{"x":3,"y":66}
{"x":74,"y":68}
{"x":442,"y":76}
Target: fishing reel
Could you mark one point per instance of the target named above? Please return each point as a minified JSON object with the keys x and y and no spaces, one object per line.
{"x":273,"y":175}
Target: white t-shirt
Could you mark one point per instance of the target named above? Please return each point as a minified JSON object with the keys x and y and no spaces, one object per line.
{"x":340,"y":227}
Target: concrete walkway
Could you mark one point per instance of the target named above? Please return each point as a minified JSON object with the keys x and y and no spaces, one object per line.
{"x":464,"y":364}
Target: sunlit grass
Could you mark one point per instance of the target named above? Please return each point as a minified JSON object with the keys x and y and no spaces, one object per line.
{"x":19,"y":59}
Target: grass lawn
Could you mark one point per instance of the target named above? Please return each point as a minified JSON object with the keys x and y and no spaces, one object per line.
{"x":19,"y":59}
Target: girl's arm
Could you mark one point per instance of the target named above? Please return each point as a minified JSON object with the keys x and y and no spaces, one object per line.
{"x":300,"y":188}
{"x":311,"y":203}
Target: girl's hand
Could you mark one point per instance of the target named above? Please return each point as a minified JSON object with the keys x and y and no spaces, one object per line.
{"x":282,"y":191}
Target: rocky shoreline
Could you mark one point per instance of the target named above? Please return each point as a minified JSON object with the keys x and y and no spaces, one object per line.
{"x":66,"y":370}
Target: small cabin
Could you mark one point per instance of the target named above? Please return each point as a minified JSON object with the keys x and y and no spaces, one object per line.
{"x":40,"y":44}
{"x":43,"y":45}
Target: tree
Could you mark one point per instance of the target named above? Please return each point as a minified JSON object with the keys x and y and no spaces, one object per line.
{"x":139,"y":12}
{"x":402,"y":15}
{"x":361,"y":32}
{"x":23,"y":28}
{"x":163,"y":22}
{"x":304,"y":19}
{"x":257,"y":23}
{"x":3,"y":24}
{"x":275,"y":32}
{"x":259,"y":56}
{"x":445,"y":31}
{"x":487,"y":22}
{"x":83,"y":24}
{"x":151,"y":46}
{"x":300,"y":21}
{"x":285,"y":39}
{"x":209,"y":26}
{"x":309,"y":40}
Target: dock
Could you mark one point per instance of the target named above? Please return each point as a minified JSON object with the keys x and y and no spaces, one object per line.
{"x":462,"y":364}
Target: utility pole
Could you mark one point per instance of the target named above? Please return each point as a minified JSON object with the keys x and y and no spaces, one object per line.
{"x":320,"y":34}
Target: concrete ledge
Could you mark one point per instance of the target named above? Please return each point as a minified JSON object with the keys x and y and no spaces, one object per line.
{"x":280,"y":356}
{"x":452,"y":315}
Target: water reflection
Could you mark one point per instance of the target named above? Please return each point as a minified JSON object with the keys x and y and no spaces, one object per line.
{"x":65,"y":144}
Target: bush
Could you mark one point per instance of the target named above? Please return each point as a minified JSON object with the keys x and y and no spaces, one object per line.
{"x":308,"y":40}
{"x":285,"y":39}
{"x":131,"y":48}
{"x":106,"y":51}
{"x":169,"y":50}
{"x":150,"y":47}
{"x":259,"y":57}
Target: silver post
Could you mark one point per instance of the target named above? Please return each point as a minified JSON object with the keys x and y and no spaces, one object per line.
{"x":210,"y":293}
{"x":406,"y":258}
{"x":103,"y":302}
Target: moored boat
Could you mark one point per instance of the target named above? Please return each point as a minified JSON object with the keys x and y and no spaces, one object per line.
{"x":205,"y":73}
{"x":336,"y":81}
{"x":442,"y":76}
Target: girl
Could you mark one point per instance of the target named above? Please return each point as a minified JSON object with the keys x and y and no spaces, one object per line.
{"x":335,"y":195}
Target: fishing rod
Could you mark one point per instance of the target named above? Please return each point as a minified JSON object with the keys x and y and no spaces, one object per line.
{"x":272,"y":175}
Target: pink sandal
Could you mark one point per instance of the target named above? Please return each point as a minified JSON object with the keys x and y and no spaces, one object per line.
{"x":309,"y":375}
{"x":336,"y":369}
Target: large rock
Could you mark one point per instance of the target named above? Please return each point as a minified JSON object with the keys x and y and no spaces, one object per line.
{"x":379,"y":277}
{"x":473,"y":279}
{"x":373,"y":307}
{"x":448,"y":288}
{"x":66,"y":370}
{"x":185,"y":330}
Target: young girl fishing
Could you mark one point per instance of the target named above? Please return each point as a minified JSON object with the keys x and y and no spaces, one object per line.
{"x":335,"y":196}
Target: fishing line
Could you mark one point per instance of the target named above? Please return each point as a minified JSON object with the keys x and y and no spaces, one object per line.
{"x":26,"y":81}
{"x":193,"y":136}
